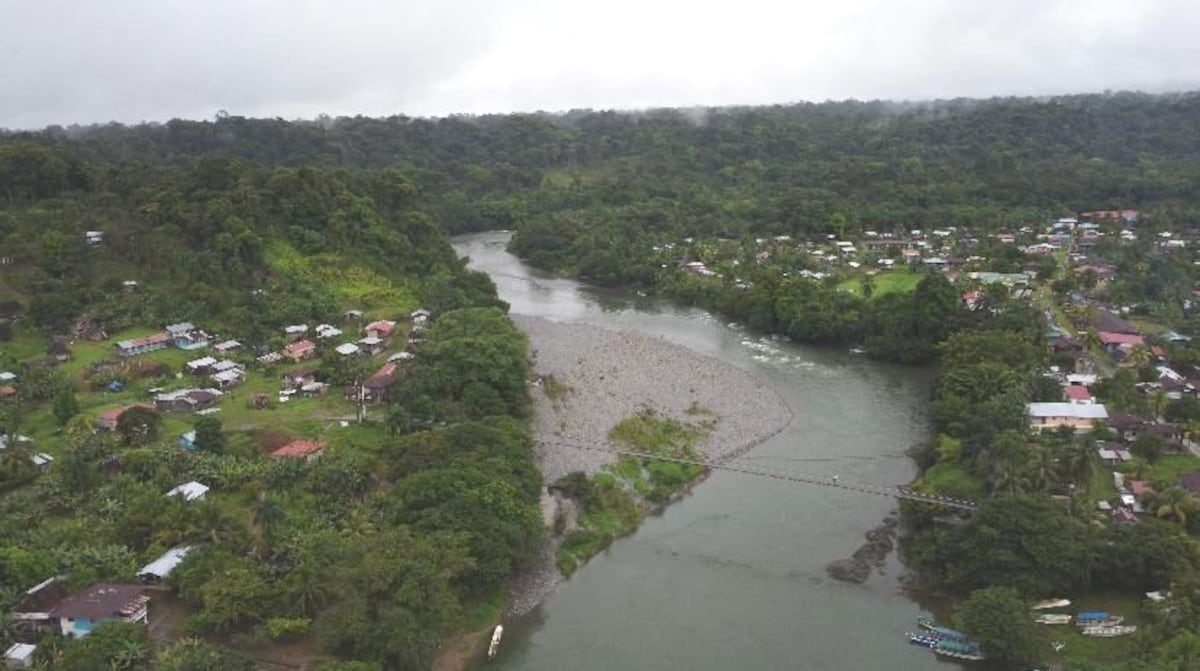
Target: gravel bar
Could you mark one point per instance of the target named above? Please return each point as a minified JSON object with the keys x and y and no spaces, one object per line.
{"x":612,"y":375}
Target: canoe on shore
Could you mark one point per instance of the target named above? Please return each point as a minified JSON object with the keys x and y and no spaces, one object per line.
{"x":1051,"y":603}
{"x":1110,"y":631}
{"x":1053,"y":618}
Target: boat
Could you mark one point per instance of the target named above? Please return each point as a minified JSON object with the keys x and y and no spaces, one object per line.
{"x":1051,"y":603}
{"x":495,"y":644}
{"x":958,"y":650}
{"x":1110,"y":631}
{"x":944,"y":633}
{"x":1098,"y":618}
{"x":1053,"y":618}
{"x":926,"y":640}
{"x":857,"y":350}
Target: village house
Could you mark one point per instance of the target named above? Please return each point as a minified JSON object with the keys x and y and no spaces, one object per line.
{"x":1078,"y":394}
{"x":33,"y":607}
{"x":370,"y":345}
{"x":375,"y":389}
{"x":326,"y":331}
{"x":1127,"y":426}
{"x":108,"y":419}
{"x":226,"y":347}
{"x":308,"y":450}
{"x":187,"y":400}
{"x":300,"y":350}
{"x":346,"y":349}
{"x":352,"y":315}
{"x":201,"y":366}
{"x":7,"y":376}
{"x":144,"y":344}
{"x":157,"y":570}
{"x":270,"y":358}
{"x":381,"y":329}
{"x":8,"y":392}
{"x":298,"y":378}
{"x":226,"y":373}
{"x":1081,"y":417}
{"x":93,"y":237}
{"x":81,"y":612}
{"x":187,"y":337}
{"x":295,"y":331}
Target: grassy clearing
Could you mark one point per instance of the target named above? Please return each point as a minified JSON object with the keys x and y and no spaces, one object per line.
{"x":895,"y":281}
{"x":1168,"y":468}
{"x":353,"y":284}
{"x":951,"y":480}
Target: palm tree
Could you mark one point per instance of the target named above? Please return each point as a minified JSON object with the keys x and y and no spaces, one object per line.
{"x":1174,"y":502}
{"x":1158,"y":404}
{"x":1139,"y":356}
{"x":1042,"y":467}
{"x":266,"y":515}
{"x":1079,"y":464}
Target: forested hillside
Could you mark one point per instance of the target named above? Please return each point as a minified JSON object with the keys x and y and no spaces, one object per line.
{"x":400,"y":536}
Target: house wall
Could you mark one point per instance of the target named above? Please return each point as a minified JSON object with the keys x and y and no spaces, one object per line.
{"x":1077,"y":423}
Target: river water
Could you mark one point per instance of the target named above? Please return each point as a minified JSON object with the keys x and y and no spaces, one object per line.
{"x":732,"y":576}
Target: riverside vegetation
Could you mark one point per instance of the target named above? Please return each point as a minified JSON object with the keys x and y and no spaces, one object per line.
{"x":613,"y":502}
{"x":254,"y":224}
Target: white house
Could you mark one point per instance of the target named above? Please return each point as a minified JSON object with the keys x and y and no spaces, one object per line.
{"x":346,"y":349}
{"x":160,"y":568}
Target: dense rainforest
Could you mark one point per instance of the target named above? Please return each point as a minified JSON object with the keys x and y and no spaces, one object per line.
{"x":252,"y":224}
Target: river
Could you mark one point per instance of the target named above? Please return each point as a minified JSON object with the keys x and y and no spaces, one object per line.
{"x":732,"y":576}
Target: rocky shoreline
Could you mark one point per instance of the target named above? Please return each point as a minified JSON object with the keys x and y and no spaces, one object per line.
{"x":601,"y":377}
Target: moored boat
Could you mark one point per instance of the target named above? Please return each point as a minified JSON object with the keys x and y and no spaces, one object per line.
{"x":1051,"y":603}
{"x":1110,"y":631}
{"x":495,"y":644}
{"x":959,"y":650}
{"x":925,"y":640}
{"x":945,"y":633}
{"x":1053,"y":618}
{"x":1098,"y":618}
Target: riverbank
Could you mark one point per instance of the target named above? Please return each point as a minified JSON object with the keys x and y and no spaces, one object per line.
{"x":601,"y":377}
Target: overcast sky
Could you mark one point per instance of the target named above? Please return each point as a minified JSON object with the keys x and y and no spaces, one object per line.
{"x":82,"y":61}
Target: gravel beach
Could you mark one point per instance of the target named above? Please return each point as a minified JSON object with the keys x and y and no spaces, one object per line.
{"x":612,"y":375}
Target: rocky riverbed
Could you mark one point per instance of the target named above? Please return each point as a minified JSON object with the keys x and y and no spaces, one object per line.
{"x":601,"y":377}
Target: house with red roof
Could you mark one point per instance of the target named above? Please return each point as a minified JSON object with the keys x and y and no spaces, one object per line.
{"x":300,"y":350}
{"x":382,"y":329}
{"x":308,"y":450}
{"x":109,"y":418}
{"x":1077,"y":393}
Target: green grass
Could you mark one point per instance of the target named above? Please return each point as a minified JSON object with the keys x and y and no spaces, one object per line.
{"x":1169,"y":468}
{"x":647,"y":432}
{"x":354,"y":285}
{"x":1082,"y":649}
{"x":23,"y":346}
{"x":887,"y":282}
{"x":484,"y":612}
{"x":951,"y":480}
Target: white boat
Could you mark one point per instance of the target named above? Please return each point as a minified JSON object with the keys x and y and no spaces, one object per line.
{"x":1052,"y":603}
{"x":1109,"y":632}
{"x":1053,"y":618}
{"x":495,"y":645}
{"x":857,"y":350}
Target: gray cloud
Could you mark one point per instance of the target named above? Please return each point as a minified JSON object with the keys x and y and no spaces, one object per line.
{"x":133,"y":60}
